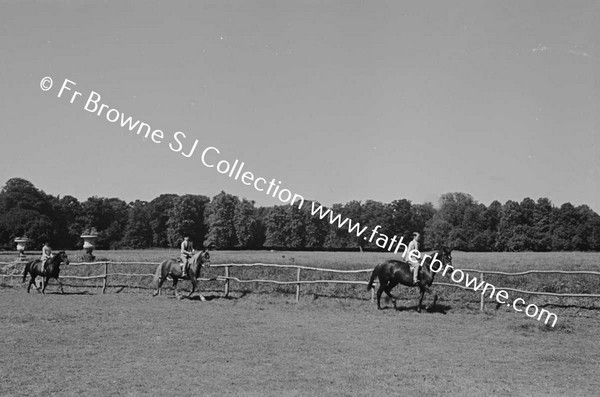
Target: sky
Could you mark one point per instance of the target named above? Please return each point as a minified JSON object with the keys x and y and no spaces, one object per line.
{"x":338,"y":100}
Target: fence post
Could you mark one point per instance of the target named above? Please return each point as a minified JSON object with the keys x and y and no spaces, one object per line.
{"x":298,"y":286}
{"x":481,"y":302}
{"x":105,"y":282}
{"x":226,"y":281}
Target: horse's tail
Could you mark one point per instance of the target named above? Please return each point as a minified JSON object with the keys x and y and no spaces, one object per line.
{"x":157,"y":274}
{"x":26,"y":270}
{"x":373,"y":275}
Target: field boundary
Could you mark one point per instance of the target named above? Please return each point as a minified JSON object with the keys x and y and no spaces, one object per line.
{"x":227,"y":278}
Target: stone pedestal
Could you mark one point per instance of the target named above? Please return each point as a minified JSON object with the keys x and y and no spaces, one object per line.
{"x":21,"y":245}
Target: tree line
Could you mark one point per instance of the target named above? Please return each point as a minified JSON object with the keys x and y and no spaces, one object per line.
{"x":228,"y":222}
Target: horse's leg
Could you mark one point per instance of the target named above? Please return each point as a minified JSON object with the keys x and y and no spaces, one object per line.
{"x":164,"y":274}
{"x":434,"y":299}
{"x":421,"y":299}
{"x":379,"y":292}
{"x":61,"y":286}
{"x":194,"y":283}
{"x":161,"y":280}
{"x":30,"y":282}
{"x":388,"y":291}
{"x":175,"y":279}
{"x":44,"y":284}
{"x":195,"y":287}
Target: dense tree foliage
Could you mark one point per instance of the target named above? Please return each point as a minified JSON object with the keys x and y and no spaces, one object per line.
{"x":187,"y":217}
{"x":228,"y":222}
{"x":221,"y":218}
{"x":158,"y":214}
{"x":138,"y":233}
{"x":25,"y":210}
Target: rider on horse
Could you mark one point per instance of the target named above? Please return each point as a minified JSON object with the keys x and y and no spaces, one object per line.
{"x":187,"y":250}
{"x":46,"y":254}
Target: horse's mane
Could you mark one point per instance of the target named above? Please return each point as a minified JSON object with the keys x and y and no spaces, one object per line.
{"x":194,"y":259}
{"x":432,"y":254}
{"x":58,"y":255}
{"x":58,"y":258}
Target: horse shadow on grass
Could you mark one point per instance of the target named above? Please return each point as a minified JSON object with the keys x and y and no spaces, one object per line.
{"x":68,"y":293}
{"x":209,"y":298}
{"x":438,"y":308}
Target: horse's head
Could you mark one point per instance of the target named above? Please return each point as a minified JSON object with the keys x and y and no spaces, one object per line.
{"x":63,"y":258}
{"x":201,"y":258}
{"x":445,"y":255}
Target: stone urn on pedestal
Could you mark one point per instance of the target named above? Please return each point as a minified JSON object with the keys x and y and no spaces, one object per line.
{"x":89,"y":243}
{"x":21,"y":245}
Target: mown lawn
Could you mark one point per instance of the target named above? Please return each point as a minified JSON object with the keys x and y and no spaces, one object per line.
{"x":266,"y":345}
{"x":333,"y":342}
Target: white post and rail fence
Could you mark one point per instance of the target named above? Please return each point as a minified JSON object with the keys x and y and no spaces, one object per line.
{"x":298,"y":282}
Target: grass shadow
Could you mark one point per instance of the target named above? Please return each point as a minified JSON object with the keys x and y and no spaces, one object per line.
{"x":68,"y":293}
{"x":437,"y":308}
{"x":209,"y":298}
{"x":241,"y":295}
{"x":384,"y":308}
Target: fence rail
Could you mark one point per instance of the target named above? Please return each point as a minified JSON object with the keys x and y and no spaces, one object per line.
{"x":227,"y":278}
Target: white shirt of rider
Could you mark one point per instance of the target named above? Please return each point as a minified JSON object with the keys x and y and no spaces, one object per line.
{"x":413,"y":245}
{"x":185,"y":246}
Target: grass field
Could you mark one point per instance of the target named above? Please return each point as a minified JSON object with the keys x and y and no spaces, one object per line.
{"x":130,"y":344}
{"x":333,"y":342}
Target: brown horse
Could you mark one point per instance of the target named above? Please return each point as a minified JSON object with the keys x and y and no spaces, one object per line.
{"x":172,"y":267}
{"x":393,"y":272}
{"x":34,"y":268}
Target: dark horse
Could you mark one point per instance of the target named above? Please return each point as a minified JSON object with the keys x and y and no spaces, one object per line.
{"x":172,"y":267}
{"x":34,"y":268}
{"x":393,"y":272}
